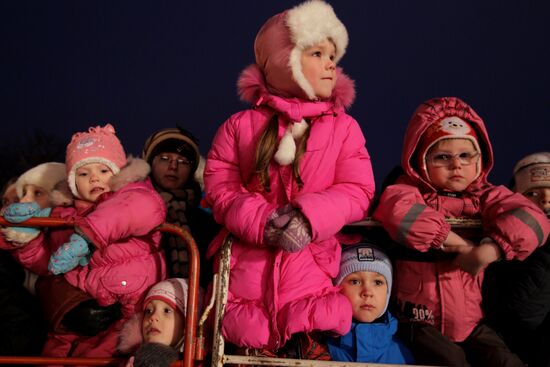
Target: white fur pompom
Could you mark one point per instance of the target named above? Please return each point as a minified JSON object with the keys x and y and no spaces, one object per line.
{"x":298,"y":129}
{"x":286,"y":150}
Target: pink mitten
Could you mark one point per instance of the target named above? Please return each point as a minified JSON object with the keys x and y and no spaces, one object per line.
{"x":276,"y":222}
{"x":296,"y":235}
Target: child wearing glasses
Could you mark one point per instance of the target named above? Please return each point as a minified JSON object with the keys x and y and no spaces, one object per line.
{"x":446,"y":159}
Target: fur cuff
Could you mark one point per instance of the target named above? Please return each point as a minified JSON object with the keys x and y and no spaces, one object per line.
{"x":17,"y":237}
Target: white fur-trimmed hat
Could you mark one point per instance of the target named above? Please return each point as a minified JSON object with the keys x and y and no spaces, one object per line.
{"x":278,"y":49}
{"x":283,"y":37}
{"x":46,"y":175}
{"x":532,"y":171}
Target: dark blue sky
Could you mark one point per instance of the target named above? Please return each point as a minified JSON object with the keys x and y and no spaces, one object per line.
{"x":145,"y":65}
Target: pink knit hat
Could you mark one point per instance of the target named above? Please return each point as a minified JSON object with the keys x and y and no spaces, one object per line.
{"x":172,"y":291}
{"x":98,"y":145}
{"x":279,"y":44}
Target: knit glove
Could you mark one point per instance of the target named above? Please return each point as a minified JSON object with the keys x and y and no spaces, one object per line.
{"x":20,"y":212}
{"x":69,"y":255}
{"x":276,"y":223}
{"x":296,"y":235}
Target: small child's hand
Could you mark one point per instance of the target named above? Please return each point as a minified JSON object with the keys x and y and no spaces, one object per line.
{"x":20,"y":212}
{"x":69,"y":255}
{"x":463,"y":248}
{"x":478,"y":258}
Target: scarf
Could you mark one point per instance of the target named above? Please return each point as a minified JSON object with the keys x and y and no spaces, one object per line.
{"x":177,"y":204}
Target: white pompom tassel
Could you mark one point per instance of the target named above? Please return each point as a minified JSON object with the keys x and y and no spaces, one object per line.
{"x":287,"y":149}
{"x":287,"y":146}
{"x":298,"y":129}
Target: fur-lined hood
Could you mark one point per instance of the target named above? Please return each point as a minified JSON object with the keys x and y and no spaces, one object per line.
{"x":252,"y":88}
{"x":135,"y":170}
{"x":282,"y":39}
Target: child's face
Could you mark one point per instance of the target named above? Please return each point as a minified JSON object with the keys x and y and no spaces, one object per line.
{"x":92,"y":180}
{"x":33,"y":193}
{"x":319,"y":68}
{"x":161,"y":324}
{"x":452,"y":164}
{"x":171,"y":170}
{"x":367,"y":291}
{"x":540,"y":196}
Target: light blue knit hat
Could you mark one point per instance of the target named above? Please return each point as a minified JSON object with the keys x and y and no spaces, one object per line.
{"x":365,"y":256}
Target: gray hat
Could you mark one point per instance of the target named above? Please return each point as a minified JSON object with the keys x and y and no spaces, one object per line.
{"x":532,"y":171}
{"x":365,"y":256}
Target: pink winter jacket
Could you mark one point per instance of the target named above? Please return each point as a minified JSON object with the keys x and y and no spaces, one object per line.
{"x":272,"y":293}
{"x":121,"y":224}
{"x":433,"y":289}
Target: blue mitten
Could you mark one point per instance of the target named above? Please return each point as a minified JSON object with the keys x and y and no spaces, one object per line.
{"x":20,"y":212}
{"x":69,"y":255}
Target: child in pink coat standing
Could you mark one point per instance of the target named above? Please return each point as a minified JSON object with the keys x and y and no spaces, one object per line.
{"x":284,"y":177}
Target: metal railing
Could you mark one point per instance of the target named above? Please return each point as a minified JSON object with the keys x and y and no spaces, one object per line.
{"x":221,"y":289}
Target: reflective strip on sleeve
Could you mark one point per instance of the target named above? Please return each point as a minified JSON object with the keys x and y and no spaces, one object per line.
{"x":407,"y":222}
{"x":530,"y":222}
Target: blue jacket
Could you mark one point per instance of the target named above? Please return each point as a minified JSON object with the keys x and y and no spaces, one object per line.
{"x":371,"y":342}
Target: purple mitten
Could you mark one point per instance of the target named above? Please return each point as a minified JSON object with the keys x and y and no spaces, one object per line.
{"x":296,"y":235}
{"x":276,"y":222}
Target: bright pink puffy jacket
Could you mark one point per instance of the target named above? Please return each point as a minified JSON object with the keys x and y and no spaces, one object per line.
{"x":272,"y":293}
{"x":127,"y":258}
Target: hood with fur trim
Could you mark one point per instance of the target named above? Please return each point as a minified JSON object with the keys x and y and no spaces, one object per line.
{"x":252,"y":88}
{"x":431,"y":112}
{"x":135,"y":170}
{"x":279,"y":44}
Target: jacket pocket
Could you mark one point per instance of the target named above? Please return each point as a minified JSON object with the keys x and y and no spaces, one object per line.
{"x":124,"y":282}
{"x":408,"y":278}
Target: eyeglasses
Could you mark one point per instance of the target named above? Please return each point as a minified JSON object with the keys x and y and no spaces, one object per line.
{"x":445,"y":159}
{"x":167,"y":160}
